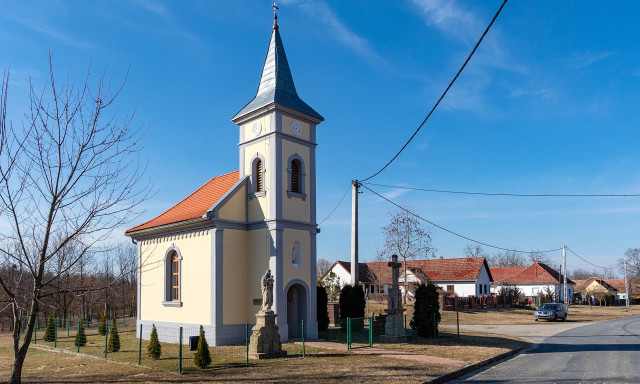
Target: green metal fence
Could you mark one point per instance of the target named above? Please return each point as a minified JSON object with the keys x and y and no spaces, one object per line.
{"x":359,"y":332}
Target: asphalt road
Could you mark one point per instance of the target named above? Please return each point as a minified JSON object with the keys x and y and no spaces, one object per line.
{"x":603,"y":352}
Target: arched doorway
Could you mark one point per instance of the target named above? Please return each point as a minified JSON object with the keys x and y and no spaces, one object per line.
{"x":296,"y":310}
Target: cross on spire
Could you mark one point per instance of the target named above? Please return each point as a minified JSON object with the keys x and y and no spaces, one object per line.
{"x":275,"y":16}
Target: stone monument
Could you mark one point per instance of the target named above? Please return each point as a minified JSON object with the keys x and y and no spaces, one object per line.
{"x":265,"y":339}
{"x":394,"y":326}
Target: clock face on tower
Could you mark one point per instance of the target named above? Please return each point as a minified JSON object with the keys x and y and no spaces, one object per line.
{"x":296,"y":128}
{"x":256,"y":129}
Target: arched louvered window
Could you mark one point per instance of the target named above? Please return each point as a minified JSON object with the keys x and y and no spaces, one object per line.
{"x":259,"y":181}
{"x":295,"y":176}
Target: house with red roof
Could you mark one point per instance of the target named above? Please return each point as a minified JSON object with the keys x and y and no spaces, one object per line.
{"x":468,"y":276}
{"x":534,"y":280}
{"x":201,"y":261}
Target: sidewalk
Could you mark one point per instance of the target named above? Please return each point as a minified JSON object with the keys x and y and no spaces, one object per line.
{"x":386,"y":353}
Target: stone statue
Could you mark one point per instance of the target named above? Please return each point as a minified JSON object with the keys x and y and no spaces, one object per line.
{"x":267,"y":291}
{"x":394,"y":327}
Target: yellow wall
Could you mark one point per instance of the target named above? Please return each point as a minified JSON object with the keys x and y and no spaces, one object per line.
{"x":295,"y":208}
{"x":235,"y":292}
{"x":286,"y":127}
{"x":266,"y":127}
{"x":259,"y":246}
{"x":290,"y":236}
{"x":195,"y":248}
{"x":234,"y":207}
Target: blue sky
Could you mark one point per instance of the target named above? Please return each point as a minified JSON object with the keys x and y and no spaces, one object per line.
{"x":549,"y":104}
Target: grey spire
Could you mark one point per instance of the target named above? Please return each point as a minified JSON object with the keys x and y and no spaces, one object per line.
{"x":276,"y":83}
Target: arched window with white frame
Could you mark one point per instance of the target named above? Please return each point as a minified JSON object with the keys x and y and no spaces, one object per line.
{"x":257,"y":175}
{"x":172,"y":278}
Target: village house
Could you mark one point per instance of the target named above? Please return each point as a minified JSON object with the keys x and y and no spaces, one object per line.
{"x":469,"y":276}
{"x":533,"y":281}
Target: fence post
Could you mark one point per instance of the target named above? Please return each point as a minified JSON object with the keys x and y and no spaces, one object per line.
{"x":458,"y":322}
{"x":180,"y":352}
{"x":246,"y":340}
{"x":78,"y":337}
{"x":68,"y":323}
{"x":434,"y":325}
{"x":348,"y":333}
{"x":303,"y":351}
{"x":35,"y":332}
{"x":405,"y":329}
{"x":55,"y":333}
{"x":140,"y":346}
{"x":371,"y":331}
{"x":105,"y":340}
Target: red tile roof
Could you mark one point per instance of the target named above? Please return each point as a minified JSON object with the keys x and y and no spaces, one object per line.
{"x":365,"y":274}
{"x":538,"y":273}
{"x":196,"y":204}
{"x":460,"y":269}
{"x":503,"y":274}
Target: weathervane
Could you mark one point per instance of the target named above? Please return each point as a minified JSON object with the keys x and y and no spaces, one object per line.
{"x":275,"y":16}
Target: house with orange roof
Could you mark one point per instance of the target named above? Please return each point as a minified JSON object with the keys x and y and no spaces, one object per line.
{"x":467,"y":276}
{"x":201,"y":261}
{"x":534,"y":280}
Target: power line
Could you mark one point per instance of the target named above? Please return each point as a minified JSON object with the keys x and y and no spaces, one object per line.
{"x":455,"y":233}
{"x":588,"y":262}
{"x":336,"y":207}
{"x":443,"y":94}
{"x":504,"y":194}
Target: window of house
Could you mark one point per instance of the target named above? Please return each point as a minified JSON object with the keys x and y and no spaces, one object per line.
{"x":259,"y":182}
{"x":450,"y":288}
{"x":486,"y":289}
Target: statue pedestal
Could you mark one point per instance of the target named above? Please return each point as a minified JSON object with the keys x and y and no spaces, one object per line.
{"x":265,"y":339}
{"x":394,"y":331}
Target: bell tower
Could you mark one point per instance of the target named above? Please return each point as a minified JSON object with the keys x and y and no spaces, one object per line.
{"x":277,"y":153}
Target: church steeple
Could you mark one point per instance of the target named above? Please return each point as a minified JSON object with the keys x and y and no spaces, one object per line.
{"x":276,"y":84}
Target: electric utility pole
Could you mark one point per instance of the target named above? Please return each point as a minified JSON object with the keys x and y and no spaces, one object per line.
{"x":564,"y":270}
{"x":626,"y":283}
{"x":355,"y":184}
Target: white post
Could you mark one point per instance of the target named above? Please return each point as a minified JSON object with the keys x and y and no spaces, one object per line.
{"x":564,"y":270}
{"x":354,"y":232}
{"x":626,"y":283}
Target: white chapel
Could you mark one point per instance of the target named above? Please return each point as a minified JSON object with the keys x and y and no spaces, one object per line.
{"x":200,"y":262}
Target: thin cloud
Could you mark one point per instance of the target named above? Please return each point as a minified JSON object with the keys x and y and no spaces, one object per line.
{"x":46,"y":29}
{"x":321,"y":11}
{"x":581,"y":60}
{"x":173,"y":26}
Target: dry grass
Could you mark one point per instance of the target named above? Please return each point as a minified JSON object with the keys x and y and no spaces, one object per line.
{"x":470,"y":347}
{"x":505,"y":316}
{"x":54,"y":366}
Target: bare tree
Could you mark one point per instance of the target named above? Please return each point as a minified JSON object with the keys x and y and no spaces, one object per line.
{"x":406,"y":236}
{"x":474,"y":250}
{"x":322,"y":266}
{"x":537,"y":256}
{"x":581,"y":274}
{"x":70,"y":174}
{"x":380,"y":259}
{"x":507,"y":259}
{"x":632,"y":257}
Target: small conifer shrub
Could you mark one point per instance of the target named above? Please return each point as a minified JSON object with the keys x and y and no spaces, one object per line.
{"x":203,"y":356}
{"x":102,"y":328}
{"x":50,"y":331}
{"x":81,"y":337}
{"x":114,"y":339}
{"x":154,"y":349}
{"x":323,"y":313}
